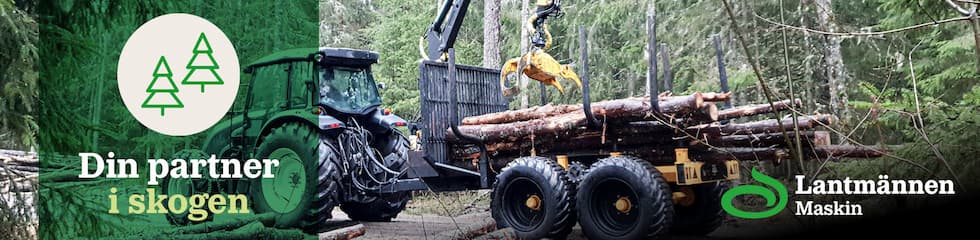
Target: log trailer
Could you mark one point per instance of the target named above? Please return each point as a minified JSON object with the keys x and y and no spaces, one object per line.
{"x":624,"y":169}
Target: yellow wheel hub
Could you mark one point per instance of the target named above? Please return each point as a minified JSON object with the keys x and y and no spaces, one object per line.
{"x":533,"y":202}
{"x":623,"y":205}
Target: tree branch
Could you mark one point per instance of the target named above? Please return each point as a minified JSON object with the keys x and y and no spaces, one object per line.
{"x":770,"y":21}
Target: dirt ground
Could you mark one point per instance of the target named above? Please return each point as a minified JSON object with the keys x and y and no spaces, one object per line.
{"x":438,"y":215}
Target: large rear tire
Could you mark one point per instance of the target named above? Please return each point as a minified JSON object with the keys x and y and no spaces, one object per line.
{"x":384,"y":207}
{"x":306,"y":184}
{"x":704,"y":214}
{"x":185,"y":186}
{"x":535,"y":197}
{"x":624,"y":197}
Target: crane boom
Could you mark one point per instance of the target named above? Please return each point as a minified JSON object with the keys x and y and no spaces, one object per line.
{"x":441,"y":35}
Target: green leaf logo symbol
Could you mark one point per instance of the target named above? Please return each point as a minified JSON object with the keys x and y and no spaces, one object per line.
{"x":775,"y":204}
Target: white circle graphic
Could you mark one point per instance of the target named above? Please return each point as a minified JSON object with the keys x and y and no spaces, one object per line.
{"x":178,"y":74}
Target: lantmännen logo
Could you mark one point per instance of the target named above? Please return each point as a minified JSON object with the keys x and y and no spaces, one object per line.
{"x":774,"y":203}
{"x":777,"y":197}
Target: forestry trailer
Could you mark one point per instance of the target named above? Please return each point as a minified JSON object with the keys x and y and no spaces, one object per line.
{"x":624,"y":169}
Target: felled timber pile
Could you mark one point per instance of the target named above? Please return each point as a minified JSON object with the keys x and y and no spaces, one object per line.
{"x":692,"y":121}
{"x":18,"y":171}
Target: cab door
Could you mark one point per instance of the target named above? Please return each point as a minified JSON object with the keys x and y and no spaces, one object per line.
{"x":267,"y":95}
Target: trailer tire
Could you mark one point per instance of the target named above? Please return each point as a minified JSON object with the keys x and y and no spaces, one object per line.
{"x":612,"y":188}
{"x":304,"y":159}
{"x":544,"y":181}
{"x":705,"y":214}
{"x":387,"y":206}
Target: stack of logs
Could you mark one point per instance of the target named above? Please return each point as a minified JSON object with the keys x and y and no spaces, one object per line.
{"x":18,"y":171}
{"x":692,"y":121}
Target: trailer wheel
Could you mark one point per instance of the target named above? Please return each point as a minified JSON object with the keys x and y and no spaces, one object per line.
{"x":704,"y":214}
{"x":384,"y":207}
{"x":534,"y":196}
{"x":305,"y":187}
{"x":624,"y":197}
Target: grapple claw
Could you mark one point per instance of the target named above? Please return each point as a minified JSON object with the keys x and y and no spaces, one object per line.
{"x":541,"y":67}
{"x":509,"y":67}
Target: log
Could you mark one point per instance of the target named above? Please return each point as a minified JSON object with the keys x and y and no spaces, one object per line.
{"x":846,"y":151}
{"x":254,"y":230}
{"x":745,"y":154}
{"x":807,"y":138}
{"x":669,"y":104}
{"x":521,"y":115}
{"x":766,"y":126}
{"x":32,"y":162}
{"x":237,"y":222}
{"x":716,"y":97}
{"x":581,"y":141}
{"x":819,"y":152}
{"x":707,"y":113}
{"x":22,"y":168}
{"x":610,"y":110}
{"x":756,"y":109}
{"x":345,"y":233}
{"x":706,"y":96}
{"x":469,"y":231}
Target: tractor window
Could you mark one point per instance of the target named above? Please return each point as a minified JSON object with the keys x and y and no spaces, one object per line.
{"x":269,"y":87}
{"x":299,"y":91}
{"x":348,"y":90}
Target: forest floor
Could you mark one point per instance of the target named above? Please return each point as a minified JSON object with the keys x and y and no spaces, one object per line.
{"x":425,"y":218}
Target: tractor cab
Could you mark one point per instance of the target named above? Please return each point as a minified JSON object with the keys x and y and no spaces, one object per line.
{"x":346,"y":85}
{"x":317,"y":112}
{"x":326,"y":87}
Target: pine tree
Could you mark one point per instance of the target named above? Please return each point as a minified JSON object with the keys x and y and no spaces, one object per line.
{"x":169,"y":88}
{"x":197,"y":62}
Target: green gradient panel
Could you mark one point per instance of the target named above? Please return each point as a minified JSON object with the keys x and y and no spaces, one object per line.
{"x":81,"y":111}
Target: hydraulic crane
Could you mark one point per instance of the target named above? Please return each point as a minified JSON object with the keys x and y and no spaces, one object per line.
{"x":535,"y":63}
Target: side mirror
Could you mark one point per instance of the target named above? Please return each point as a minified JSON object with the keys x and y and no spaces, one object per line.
{"x":382,"y":86}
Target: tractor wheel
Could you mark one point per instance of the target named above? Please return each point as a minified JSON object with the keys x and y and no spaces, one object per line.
{"x":535,"y":197}
{"x":702,"y":214}
{"x":185,"y":186}
{"x":306,"y":184}
{"x":624,"y":197}
{"x":387,"y":206}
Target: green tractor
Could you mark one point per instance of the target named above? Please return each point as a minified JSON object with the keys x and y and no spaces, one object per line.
{"x":317,"y":112}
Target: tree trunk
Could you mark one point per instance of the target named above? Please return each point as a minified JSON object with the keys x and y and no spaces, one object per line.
{"x":833,"y":61}
{"x":491,"y":34}
{"x":766,"y":126}
{"x":525,"y":42}
{"x":679,"y":106}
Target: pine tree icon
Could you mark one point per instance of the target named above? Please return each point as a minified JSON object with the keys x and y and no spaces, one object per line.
{"x":202,"y":60}
{"x":169,"y":99}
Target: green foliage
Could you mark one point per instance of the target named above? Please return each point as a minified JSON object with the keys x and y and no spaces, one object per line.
{"x":18,"y":100}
